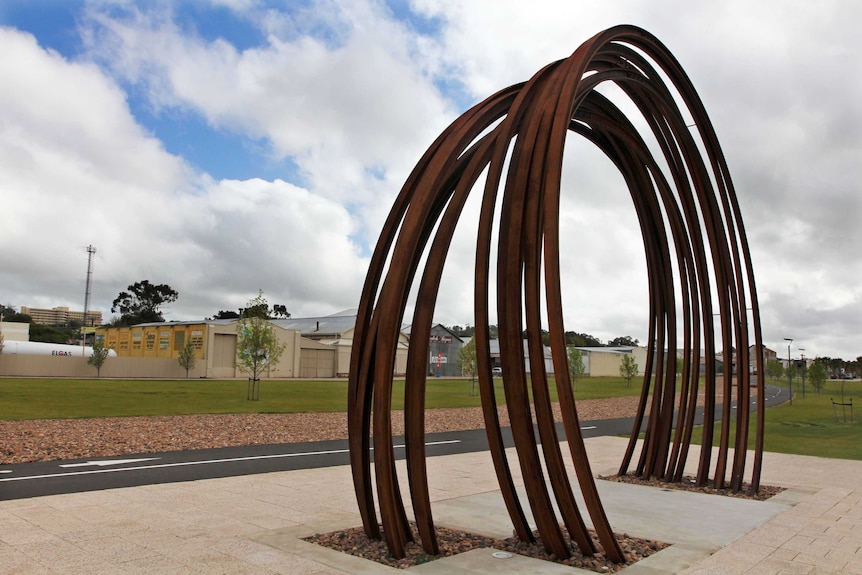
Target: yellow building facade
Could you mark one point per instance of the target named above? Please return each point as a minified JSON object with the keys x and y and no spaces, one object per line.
{"x":155,"y":340}
{"x":215,"y":346}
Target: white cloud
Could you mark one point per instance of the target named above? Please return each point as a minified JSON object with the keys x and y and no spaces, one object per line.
{"x":332,"y":106}
{"x":76,"y":170}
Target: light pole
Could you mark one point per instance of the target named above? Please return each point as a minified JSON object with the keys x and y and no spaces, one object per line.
{"x":789,"y":372}
{"x":802,"y":350}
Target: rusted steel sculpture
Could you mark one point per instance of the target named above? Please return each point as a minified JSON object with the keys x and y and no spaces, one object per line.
{"x":697,"y":258}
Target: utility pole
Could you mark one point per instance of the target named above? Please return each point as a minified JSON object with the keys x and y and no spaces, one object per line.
{"x":802,"y":351}
{"x":789,"y":370}
{"x":91,"y":251}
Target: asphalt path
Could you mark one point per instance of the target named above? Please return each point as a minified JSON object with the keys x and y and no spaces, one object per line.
{"x":55,"y":477}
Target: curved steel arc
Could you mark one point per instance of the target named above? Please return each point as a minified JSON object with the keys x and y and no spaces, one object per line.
{"x":696,"y":253}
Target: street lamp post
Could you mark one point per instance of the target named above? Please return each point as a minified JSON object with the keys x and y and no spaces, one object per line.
{"x":789,"y":370}
{"x":802,"y":350}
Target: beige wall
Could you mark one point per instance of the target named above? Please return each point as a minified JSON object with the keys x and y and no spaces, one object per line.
{"x":15,"y":331}
{"x":640,"y":354}
{"x":607,"y":363}
{"x":604,"y":364}
{"x":114,"y":367}
{"x":344,"y":349}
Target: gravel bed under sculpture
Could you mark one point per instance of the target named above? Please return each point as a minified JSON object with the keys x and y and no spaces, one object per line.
{"x":688,"y":483}
{"x":452,"y":542}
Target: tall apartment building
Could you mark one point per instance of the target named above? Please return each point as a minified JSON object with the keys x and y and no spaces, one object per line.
{"x":61,"y":316}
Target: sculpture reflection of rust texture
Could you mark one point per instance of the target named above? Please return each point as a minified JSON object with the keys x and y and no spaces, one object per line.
{"x":697,"y":260}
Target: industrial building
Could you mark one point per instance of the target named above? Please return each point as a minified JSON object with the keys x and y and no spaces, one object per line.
{"x":315,"y":347}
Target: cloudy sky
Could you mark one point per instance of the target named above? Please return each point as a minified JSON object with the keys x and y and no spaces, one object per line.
{"x":229,"y":146}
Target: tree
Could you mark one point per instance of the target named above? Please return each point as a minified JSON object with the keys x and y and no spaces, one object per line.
{"x":582,"y":339}
{"x":9,"y":314}
{"x":467,"y":361}
{"x":186,"y":357}
{"x":51,"y":334}
{"x":774,"y":369}
{"x":628,"y":368}
{"x":817,"y":376}
{"x":100,"y":354}
{"x":258,"y":347}
{"x":141,"y":303}
{"x":467,"y":358}
{"x":259,"y":307}
{"x":226,"y":315}
{"x":623,"y":341}
{"x":575,"y":359}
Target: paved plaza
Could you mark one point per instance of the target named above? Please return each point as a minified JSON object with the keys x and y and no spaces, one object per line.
{"x":254,"y":524}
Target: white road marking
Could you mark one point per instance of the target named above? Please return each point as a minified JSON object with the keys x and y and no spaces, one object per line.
{"x":589,"y":427}
{"x":202,"y":462}
{"x":107,"y":462}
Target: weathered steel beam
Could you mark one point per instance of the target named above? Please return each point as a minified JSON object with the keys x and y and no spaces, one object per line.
{"x":697,"y":259}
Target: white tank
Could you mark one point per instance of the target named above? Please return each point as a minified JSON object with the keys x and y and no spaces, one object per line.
{"x":55,"y":349}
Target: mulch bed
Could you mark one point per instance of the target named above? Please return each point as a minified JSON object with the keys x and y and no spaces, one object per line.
{"x":451,"y":542}
{"x":688,"y":483}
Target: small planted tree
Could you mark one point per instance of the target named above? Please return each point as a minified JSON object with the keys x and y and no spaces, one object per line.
{"x":98,"y":357}
{"x":467,"y":361}
{"x":628,"y":368}
{"x":817,"y":376}
{"x":575,"y":360}
{"x":258,"y":347}
{"x":774,"y":369}
{"x":186,"y":357}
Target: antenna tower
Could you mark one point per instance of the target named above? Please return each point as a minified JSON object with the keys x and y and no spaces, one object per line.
{"x":91,"y":251}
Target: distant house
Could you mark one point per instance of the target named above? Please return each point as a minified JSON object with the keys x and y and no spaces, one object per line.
{"x":443,"y":347}
{"x":768,"y":355}
{"x":723,"y":362}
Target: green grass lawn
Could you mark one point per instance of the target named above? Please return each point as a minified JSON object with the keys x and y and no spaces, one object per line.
{"x":47,"y":398}
{"x":810,"y":426}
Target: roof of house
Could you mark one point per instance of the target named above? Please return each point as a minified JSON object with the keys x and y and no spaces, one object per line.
{"x":331,"y":325}
{"x":405,"y":328}
{"x":603,"y":349}
{"x":494,"y":346}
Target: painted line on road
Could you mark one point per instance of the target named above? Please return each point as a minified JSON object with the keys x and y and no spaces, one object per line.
{"x":202,"y":462}
{"x":107,"y":462}
{"x":589,"y":427}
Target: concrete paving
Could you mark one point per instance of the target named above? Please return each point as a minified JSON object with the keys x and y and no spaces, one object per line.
{"x":254,"y":524}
